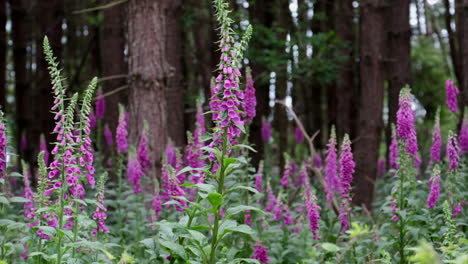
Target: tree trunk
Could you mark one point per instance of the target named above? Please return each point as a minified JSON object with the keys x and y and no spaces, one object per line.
{"x":280,"y":118}
{"x":49,"y":20}
{"x":174,"y":88}
{"x":113,"y":62}
{"x":370,"y":112}
{"x":150,"y":69}
{"x":22,"y":89}
{"x":261,"y":15}
{"x":398,"y":56}
{"x":462,"y":32}
{"x":454,"y":51}
{"x":344,"y":26}
{"x":3,"y":49}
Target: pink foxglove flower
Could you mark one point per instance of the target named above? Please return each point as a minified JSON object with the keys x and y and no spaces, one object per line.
{"x":121,"y":133}
{"x":43,"y":147}
{"x":170,"y":186}
{"x":3,"y":143}
{"x":393,"y":209}
{"x":100,"y":214}
{"x":436,"y":141}
{"x":451,"y":92}
{"x":100,"y":105}
{"x":331,"y":168}
{"x":453,"y":152}
{"x":157,"y":204}
{"x":287,"y":173}
{"x":406,"y":123}
{"x":318,"y":163}
{"x":171,"y":154}
{"x":313,"y":210}
{"x":143,"y":156}
{"x":266,"y":130}
{"x":435,"y":188}
{"x":260,"y":253}
{"x":250,"y":101}
{"x":346,"y":172}
{"x":393,"y":151}
{"x":464,"y":133}
{"x":108,"y":135}
{"x":299,"y":135}
{"x":134,"y":171}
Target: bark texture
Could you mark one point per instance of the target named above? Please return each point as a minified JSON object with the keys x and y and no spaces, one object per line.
{"x":372,"y":91}
{"x":151,"y":71}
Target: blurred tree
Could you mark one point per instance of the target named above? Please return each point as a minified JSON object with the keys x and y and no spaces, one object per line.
{"x":3,"y":52}
{"x":261,"y":17}
{"x":23,"y":100}
{"x":398,"y":67}
{"x":49,"y":17}
{"x":366,"y":146}
{"x":153,"y":70}
{"x":462,"y":32}
{"x":114,"y":66}
{"x":345,"y":88}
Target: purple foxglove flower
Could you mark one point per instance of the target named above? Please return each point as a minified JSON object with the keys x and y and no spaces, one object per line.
{"x":299,"y":135}
{"x":406,"y":123}
{"x":393,"y":151}
{"x":170,"y":186}
{"x":286,"y":173}
{"x":134,"y":172}
{"x":435,"y":188}
{"x":250,"y":101}
{"x":464,"y":133}
{"x":157,"y":204}
{"x":453,"y":151}
{"x":451,"y":92}
{"x":436,"y":141}
{"x":108,"y":135}
{"x":3,"y":143}
{"x":318,"y":163}
{"x":347,"y":166}
{"x":143,"y":156}
{"x":331,"y":168}
{"x":260,"y":253}
{"x":171,"y":154}
{"x":313,"y":211}
{"x":121,"y":133}
{"x":457,"y":208}
{"x":394,"y":210}
{"x":266,"y":131}
{"x":248,"y":218}
{"x":100,"y":105}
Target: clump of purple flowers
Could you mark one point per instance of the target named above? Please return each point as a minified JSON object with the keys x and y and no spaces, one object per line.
{"x":393,"y":209}
{"x":108,"y":135}
{"x":100,"y":105}
{"x":406,"y":124}
{"x":435,"y":188}
{"x":331,"y":167}
{"x":453,"y":151}
{"x":313,"y":210}
{"x":100,"y":214}
{"x":451,"y":92}
{"x":143,"y":156}
{"x":436,"y":140}
{"x":346,"y":172}
{"x":464,"y":132}
{"x":287,"y":172}
{"x":393,"y":151}
{"x":266,"y":130}
{"x":134,"y":171}
{"x":121,"y":133}
{"x":260,"y":253}
{"x":250,"y":101}
{"x":170,"y":186}
{"x":3,"y":143}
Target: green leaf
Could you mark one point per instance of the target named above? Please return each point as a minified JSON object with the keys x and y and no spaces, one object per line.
{"x":330,"y":247}
{"x":244,"y":146}
{"x":240,"y":208}
{"x":18,"y":199}
{"x":242,"y":188}
{"x":16,"y":174}
{"x":228,"y":161}
{"x":4,"y":200}
{"x":175,"y":248}
{"x":245,"y":229}
{"x":50,"y":231}
{"x":215,"y":199}
{"x":186,"y":169}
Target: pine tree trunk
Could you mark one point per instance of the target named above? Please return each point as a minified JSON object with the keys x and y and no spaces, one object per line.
{"x":261,"y":13}
{"x":49,"y":18}
{"x":454,"y":50}
{"x":372,"y":90}
{"x":398,"y":56}
{"x":3,"y":50}
{"x":280,"y":118}
{"x":113,"y":62}
{"x":345,"y":90}
{"x":462,"y":32}
{"x":19,"y":28}
{"x":151,"y":72}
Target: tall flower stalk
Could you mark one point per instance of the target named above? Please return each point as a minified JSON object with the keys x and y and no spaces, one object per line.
{"x":451,"y":92}
{"x":346,"y":177}
{"x":3,"y":143}
{"x":406,"y":124}
{"x":464,"y":132}
{"x":331,"y":167}
{"x":436,"y":139}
